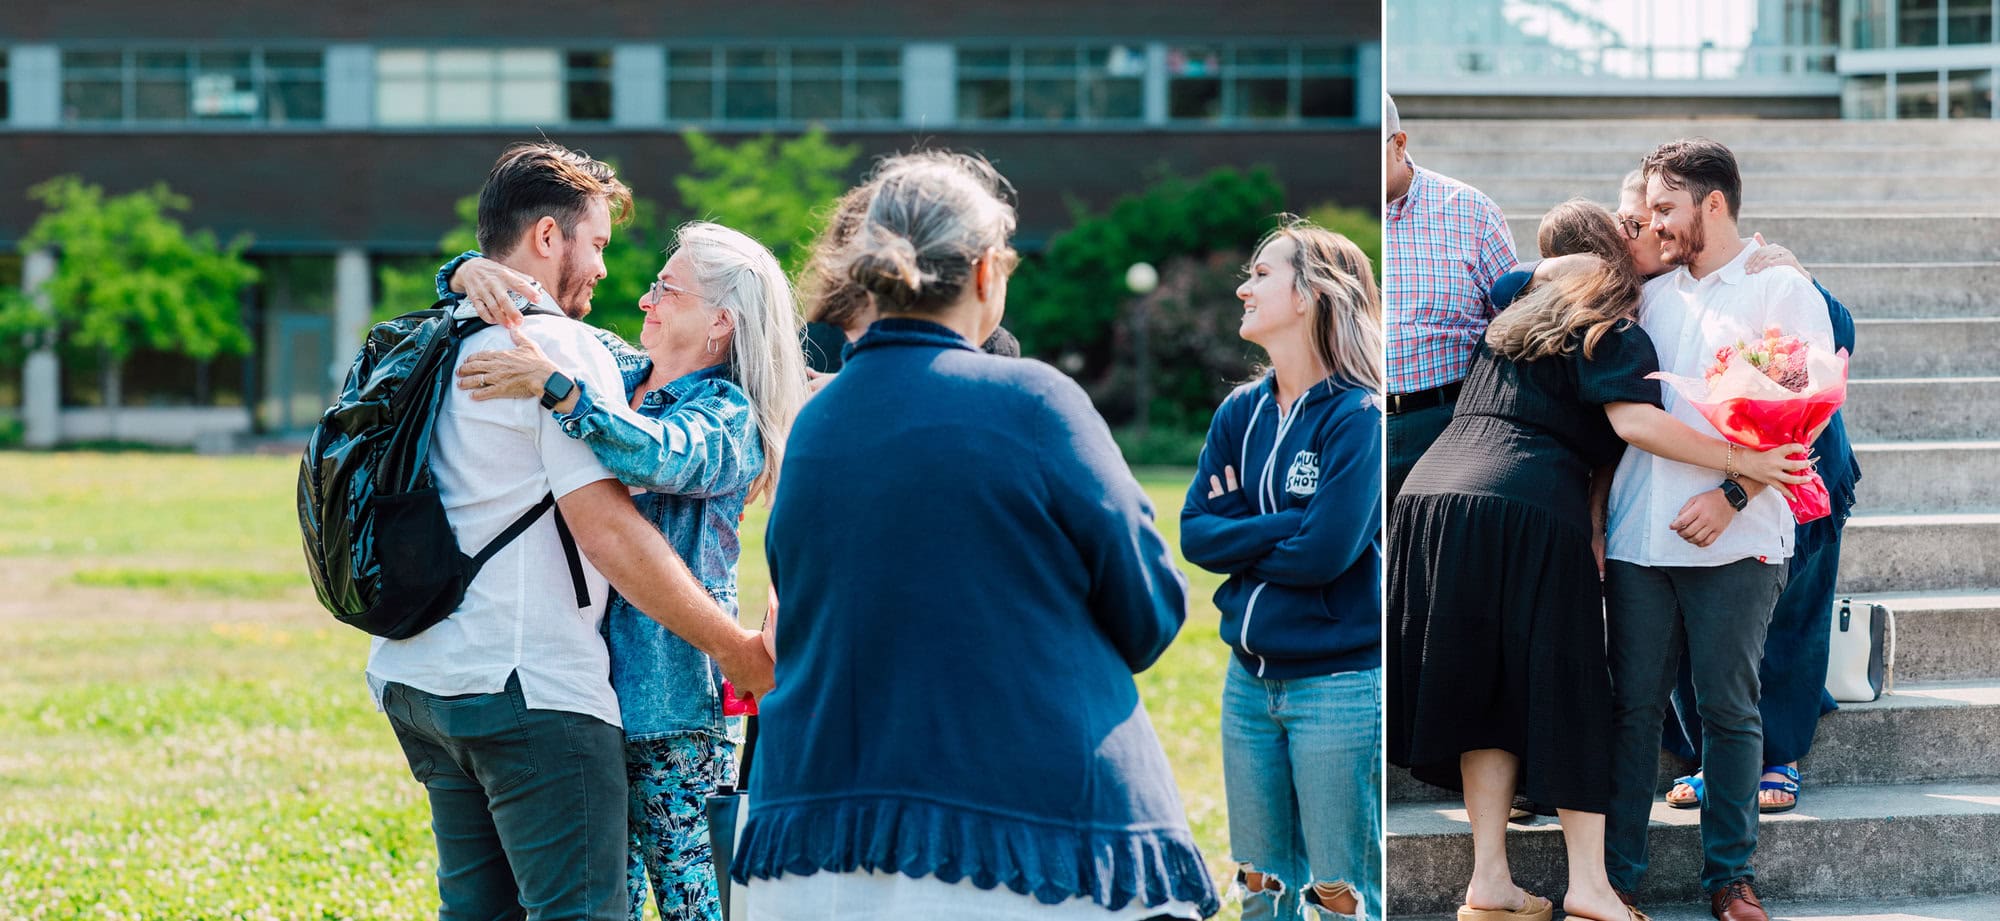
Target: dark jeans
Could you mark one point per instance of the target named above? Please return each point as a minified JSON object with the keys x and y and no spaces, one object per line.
{"x":1793,"y":674}
{"x":1719,"y":615}
{"x":1410,"y":435}
{"x":528,"y":806}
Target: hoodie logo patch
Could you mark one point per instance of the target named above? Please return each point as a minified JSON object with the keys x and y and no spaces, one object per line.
{"x":1303,"y":477}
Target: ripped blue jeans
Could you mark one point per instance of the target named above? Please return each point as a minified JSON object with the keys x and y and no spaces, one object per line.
{"x":671,"y":779}
{"x":1302,"y":771}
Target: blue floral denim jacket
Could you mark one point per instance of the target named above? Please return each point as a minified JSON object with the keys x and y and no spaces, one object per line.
{"x":693,"y":446}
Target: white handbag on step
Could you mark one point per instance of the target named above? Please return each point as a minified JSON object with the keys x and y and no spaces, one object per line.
{"x":1861,"y":652}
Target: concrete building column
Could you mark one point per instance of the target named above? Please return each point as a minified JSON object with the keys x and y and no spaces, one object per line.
{"x":930,"y":85}
{"x":638,"y":85}
{"x":1368,"y":83}
{"x":351,"y":309}
{"x":1156,"y":83}
{"x":350,"y":86}
{"x":34,"y":86}
{"x":41,"y":377}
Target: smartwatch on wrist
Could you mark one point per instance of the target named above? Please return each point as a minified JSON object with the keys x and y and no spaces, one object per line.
{"x":560,"y":387}
{"x":1731,"y":490}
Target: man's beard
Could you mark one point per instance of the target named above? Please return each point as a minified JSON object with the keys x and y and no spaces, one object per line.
{"x":1691,"y":243}
{"x":573,"y":289}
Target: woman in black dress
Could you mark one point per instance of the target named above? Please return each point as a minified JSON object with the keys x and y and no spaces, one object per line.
{"x":1496,"y":641}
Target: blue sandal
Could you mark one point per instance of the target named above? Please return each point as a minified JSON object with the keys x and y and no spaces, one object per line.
{"x":1692,"y":782}
{"x":1789,"y":785}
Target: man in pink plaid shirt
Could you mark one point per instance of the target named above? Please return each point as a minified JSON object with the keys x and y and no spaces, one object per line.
{"x":1446,"y":245}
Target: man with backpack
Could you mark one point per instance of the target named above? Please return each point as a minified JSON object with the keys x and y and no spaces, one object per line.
{"x":505,"y":708}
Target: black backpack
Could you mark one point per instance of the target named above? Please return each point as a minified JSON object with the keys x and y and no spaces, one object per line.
{"x":382,"y":555}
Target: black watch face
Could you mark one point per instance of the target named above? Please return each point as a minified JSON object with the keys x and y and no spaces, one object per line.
{"x":556,"y":390}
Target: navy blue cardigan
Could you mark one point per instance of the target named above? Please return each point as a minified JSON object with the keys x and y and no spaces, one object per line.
{"x":1837,"y":464}
{"x":1301,"y":541}
{"x":968,"y":578}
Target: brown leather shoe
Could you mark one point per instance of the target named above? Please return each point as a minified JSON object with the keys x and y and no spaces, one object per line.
{"x":1737,"y":902}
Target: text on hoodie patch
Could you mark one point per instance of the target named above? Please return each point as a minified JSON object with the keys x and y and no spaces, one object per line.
{"x":1303,"y":477}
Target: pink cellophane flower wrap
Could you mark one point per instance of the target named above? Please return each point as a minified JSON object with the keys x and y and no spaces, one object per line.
{"x":1749,"y":408}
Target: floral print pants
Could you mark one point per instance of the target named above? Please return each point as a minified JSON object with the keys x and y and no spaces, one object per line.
{"x":671,"y":779}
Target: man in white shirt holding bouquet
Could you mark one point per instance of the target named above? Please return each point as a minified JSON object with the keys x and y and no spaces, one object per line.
{"x":1692,"y":558}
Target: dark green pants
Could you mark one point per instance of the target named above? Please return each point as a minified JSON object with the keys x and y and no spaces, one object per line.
{"x":528,"y":806}
{"x":1719,"y":615}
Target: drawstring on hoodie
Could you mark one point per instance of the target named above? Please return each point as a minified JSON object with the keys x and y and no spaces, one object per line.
{"x":1267,"y":499}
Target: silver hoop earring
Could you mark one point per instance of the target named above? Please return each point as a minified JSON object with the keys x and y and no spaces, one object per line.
{"x":711,"y":346}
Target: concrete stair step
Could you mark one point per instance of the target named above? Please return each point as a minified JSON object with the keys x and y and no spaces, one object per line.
{"x":1641,"y":136}
{"x":1911,"y":477}
{"x":1882,"y":554}
{"x":1765,"y":191}
{"x":1944,"y":636}
{"x":1609,"y":164}
{"x":1964,"y":908}
{"x":1923,"y":408}
{"x":1938,"y":347}
{"x":1924,"y":732}
{"x":1912,"y":841}
{"x":1890,"y":237}
{"x":1883,"y":290}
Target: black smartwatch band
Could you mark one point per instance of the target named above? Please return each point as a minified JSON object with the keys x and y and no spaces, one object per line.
{"x":556,"y":390}
{"x":1733,"y":491}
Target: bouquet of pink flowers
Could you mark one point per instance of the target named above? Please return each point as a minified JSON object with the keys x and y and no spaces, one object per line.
{"x":1776,"y":391}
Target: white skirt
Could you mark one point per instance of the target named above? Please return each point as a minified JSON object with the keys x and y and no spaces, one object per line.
{"x":872,"y":896}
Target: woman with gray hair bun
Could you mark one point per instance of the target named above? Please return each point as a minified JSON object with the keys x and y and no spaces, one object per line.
{"x":955,"y":731}
{"x":832,"y":300}
{"x":699,"y":431}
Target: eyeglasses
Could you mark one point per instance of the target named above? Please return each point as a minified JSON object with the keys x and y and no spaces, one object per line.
{"x":661,"y":288}
{"x":1632,"y":227}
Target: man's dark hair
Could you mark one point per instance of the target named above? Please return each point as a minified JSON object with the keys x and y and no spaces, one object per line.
{"x":1701,"y":166}
{"x":537,"y":179}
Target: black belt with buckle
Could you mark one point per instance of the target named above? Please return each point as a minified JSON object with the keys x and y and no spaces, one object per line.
{"x":1423,"y":399}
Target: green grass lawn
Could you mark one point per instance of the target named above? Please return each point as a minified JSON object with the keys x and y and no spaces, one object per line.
{"x":184,"y":733}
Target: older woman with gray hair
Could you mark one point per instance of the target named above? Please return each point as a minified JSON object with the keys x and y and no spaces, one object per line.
{"x":955,"y":731}
{"x":699,"y":431}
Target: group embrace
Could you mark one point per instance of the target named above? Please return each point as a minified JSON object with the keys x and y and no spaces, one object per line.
{"x":1572,"y":547}
{"x":966,"y":578}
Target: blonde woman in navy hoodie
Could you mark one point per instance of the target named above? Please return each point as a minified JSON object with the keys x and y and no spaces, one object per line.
{"x":1288,"y":504}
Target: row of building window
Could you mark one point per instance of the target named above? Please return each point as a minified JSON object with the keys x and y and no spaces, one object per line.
{"x":1922,"y":23}
{"x":785,"y":84}
{"x":255,"y":85}
{"x":857,"y":85}
{"x":1920,"y":94}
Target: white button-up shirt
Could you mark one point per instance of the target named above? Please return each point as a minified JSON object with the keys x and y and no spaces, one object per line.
{"x":493,"y":460}
{"x":1689,"y":320}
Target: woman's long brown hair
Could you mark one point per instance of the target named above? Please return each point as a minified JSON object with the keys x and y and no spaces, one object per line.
{"x":1544,"y":321}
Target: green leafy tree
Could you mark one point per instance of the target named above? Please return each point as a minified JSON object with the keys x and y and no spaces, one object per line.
{"x":775,"y":189}
{"x":128,"y":276}
{"x":1364,"y":227}
{"x":1071,"y":298}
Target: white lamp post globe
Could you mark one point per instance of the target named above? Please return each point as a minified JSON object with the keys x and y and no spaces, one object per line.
{"x":1142,"y":278}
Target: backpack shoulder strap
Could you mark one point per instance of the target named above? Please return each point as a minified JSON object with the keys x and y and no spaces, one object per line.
{"x":519,"y":527}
